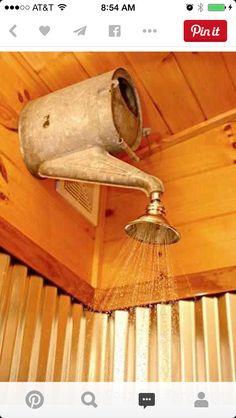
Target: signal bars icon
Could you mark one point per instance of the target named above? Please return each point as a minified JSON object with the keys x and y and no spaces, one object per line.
{"x":62,"y":6}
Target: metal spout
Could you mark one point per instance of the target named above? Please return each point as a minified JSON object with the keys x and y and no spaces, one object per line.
{"x":153,"y":227}
{"x":96,"y":165}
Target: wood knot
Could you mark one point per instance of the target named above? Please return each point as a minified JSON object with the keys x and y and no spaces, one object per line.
{"x":27,"y":94}
{"x":3,"y":171}
{"x":3,"y":197}
{"x":229,"y":130}
{"x":109,"y":212}
{"x":20,"y":97}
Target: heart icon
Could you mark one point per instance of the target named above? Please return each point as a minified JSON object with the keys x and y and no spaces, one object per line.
{"x":44,"y":30}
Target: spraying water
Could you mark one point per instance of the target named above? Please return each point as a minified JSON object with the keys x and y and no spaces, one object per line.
{"x":140,"y":275}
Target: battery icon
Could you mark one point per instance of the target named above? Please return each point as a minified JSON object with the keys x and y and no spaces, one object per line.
{"x":217,"y":7}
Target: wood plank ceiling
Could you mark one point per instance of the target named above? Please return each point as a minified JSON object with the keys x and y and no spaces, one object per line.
{"x":178,"y":90}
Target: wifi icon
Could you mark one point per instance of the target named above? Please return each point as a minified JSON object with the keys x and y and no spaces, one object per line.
{"x":62,"y":6}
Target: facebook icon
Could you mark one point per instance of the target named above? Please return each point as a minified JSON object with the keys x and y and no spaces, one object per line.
{"x":115,"y":31}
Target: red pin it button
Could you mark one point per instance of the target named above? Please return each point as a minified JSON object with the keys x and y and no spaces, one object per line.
{"x":205,"y":30}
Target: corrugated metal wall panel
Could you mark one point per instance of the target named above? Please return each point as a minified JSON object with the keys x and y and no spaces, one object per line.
{"x":164,"y":342}
{"x":142,"y":344}
{"x":212,"y":338}
{"x":44,"y":336}
{"x":231,"y":323}
{"x":120,"y":345}
{"x":187,"y":340}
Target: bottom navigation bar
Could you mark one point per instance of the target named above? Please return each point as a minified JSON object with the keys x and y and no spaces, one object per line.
{"x":118,"y":399}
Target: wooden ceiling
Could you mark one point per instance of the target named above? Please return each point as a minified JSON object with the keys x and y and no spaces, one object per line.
{"x":178,"y":90}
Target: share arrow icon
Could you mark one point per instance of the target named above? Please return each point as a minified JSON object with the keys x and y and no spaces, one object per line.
{"x":81,"y":31}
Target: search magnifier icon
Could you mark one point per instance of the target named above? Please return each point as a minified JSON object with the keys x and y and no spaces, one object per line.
{"x":88,"y":399}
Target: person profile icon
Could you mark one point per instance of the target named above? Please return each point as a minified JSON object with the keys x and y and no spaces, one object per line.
{"x":201,"y":402}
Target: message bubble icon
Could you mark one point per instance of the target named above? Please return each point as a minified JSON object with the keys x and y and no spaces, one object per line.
{"x":146,"y":399}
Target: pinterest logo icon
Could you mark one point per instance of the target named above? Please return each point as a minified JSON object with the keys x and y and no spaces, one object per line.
{"x":34,"y":399}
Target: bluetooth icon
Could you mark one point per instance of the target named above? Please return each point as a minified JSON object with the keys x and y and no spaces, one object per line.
{"x":200,"y":7}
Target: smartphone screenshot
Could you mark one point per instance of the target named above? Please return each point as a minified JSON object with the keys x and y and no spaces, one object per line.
{"x":117,"y":209}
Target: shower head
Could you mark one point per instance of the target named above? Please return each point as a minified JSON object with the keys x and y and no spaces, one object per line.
{"x":153,"y":227}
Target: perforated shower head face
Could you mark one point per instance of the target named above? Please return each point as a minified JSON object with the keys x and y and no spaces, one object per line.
{"x":153,"y":228}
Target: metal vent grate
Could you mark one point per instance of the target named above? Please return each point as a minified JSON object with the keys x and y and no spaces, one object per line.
{"x":82,"y":196}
